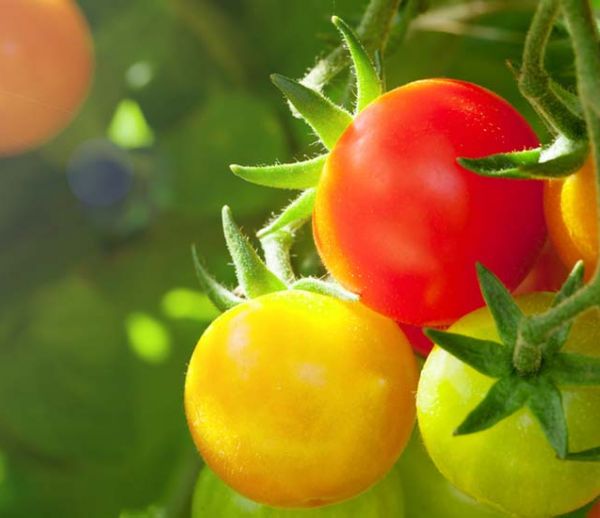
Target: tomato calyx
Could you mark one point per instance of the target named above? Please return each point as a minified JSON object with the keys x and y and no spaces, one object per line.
{"x":528,"y":373}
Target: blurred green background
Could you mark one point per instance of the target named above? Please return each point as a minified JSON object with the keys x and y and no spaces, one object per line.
{"x":99,"y":307}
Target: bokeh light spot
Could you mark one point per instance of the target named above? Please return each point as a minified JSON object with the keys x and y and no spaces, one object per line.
{"x":182,"y":303}
{"x":129,"y":128}
{"x":99,"y":173}
{"x":139,"y":75}
{"x":148,"y":338}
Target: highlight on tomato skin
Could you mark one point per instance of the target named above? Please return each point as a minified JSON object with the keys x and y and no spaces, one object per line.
{"x":571,"y":217}
{"x":46,"y":63}
{"x":399,"y":222}
{"x":297,"y":399}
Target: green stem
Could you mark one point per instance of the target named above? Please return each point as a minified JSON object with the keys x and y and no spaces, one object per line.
{"x":276,"y":248}
{"x":373,"y":30}
{"x":534,"y":81}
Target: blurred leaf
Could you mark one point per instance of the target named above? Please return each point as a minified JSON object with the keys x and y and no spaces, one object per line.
{"x":129,"y":128}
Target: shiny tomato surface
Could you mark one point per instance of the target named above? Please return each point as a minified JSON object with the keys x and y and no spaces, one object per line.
{"x":399,"y":222}
{"x":45,"y":70}
{"x":296,"y":399}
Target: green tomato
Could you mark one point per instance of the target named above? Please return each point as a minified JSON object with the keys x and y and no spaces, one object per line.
{"x":212,"y":497}
{"x":511,"y":465}
{"x":428,"y":494}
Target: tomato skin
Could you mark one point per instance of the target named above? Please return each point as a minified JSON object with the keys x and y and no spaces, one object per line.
{"x":417,"y":339}
{"x":571,"y":216}
{"x":299,"y":400}
{"x":212,"y":497}
{"x":595,"y":511}
{"x":428,"y":494}
{"x":398,"y":221}
{"x":45,"y":69}
{"x":548,"y":273}
{"x":511,"y":465}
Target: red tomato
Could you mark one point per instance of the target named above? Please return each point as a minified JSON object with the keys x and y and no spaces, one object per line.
{"x":418,"y":341}
{"x":398,"y":221}
{"x":45,"y":69}
{"x":547,"y":274}
{"x":595,"y":511}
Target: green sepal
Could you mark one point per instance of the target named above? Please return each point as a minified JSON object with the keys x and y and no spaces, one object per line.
{"x":574,"y":369}
{"x":368,"y":84}
{"x":558,"y":160}
{"x":489,"y":358}
{"x":502,"y":165}
{"x":293,"y":216}
{"x":324,"y":288}
{"x":504,"y":309}
{"x":327,"y":119}
{"x":254,"y":277}
{"x":221,"y":297}
{"x":591,"y":455}
{"x":569,"y":99}
{"x":545,"y":403}
{"x":297,"y":175}
{"x":558,"y":338}
{"x":503,"y":399}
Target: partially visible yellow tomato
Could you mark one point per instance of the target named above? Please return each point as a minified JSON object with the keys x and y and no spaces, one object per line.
{"x":45,"y":69}
{"x":299,"y":400}
{"x":570,"y":206}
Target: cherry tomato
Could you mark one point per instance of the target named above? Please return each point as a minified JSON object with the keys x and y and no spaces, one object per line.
{"x":399,"y":222}
{"x":300,"y":400}
{"x":417,"y":339}
{"x":595,"y":511}
{"x":571,"y":217}
{"x":213,"y":498}
{"x":548,"y":273}
{"x":427,"y":494}
{"x":511,"y":465}
{"x":45,"y":70}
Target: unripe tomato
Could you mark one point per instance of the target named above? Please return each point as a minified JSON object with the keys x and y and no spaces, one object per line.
{"x":571,"y":217}
{"x":399,"y":222}
{"x":45,"y":70}
{"x":297,"y":399}
{"x":213,"y":498}
{"x":511,"y":465}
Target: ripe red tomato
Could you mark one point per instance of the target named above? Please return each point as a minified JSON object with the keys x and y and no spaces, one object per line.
{"x":398,"y":221}
{"x":418,"y":341}
{"x":45,"y":70}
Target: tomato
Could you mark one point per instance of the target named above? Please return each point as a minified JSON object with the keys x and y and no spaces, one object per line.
{"x":419,"y":342}
{"x":45,"y":70}
{"x":299,"y":400}
{"x":428,"y":494}
{"x":214,"y":498}
{"x":595,"y":511}
{"x":548,"y":273}
{"x":510,"y":465}
{"x":399,"y":222}
{"x":571,"y":217}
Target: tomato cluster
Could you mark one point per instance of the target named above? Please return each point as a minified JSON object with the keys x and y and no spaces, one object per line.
{"x":298,"y":399}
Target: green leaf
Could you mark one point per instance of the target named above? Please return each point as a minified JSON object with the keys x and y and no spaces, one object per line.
{"x":293,"y":216}
{"x":505,"y":311}
{"x":328,"y":120}
{"x":504,"y":165}
{"x":368,"y":84}
{"x":489,"y":358}
{"x":298,"y":175}
{"x":546,"y":404}
{"x":574,"y":369}
{"x":220,"y":296}
{"x":591,"y":455}
{"x":503,"y":399}
{"x":254,"y":277}
{"x":324,"y":288}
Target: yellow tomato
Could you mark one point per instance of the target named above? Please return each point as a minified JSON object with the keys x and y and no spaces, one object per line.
{"x":570,"y":206}
{"x":299,"y":400}
{"x":45,"y":70}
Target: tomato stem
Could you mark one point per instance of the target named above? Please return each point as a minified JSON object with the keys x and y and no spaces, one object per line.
{"x":535,"y":82}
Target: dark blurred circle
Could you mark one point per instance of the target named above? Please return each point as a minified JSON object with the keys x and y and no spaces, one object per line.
{"x":99,"y":173}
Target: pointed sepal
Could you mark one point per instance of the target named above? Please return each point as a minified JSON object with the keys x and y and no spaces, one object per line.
{"x":489,"y":358}
{"x":221,"y":297}
{"x":545,"y":403}
{"x":574,"y":369}
{"x":293,"y":216}
{"x":324,"y":288}
{"x":562,"y":158}
{"x":591,"y":455}
{"x":504,"y":309}
{"x":368,"y":84}
{"x":297,"y":175}
{"x":502,"y":165}
{"x":504,"y":398}
{"x":327,"y":119}
{"x":254,"y":277}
